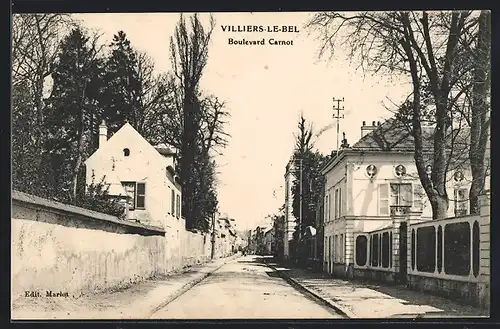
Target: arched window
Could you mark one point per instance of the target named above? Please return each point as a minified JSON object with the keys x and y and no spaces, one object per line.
{"x":126,"y":152}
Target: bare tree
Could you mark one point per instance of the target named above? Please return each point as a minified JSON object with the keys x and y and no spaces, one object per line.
{"x":189,"y":56}
{"x":425,"y":47}
{"x":35,"y":40}
{"x":480,"y":119}
{"x":213,"y":119}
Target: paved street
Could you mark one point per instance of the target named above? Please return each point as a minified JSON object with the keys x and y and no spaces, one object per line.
{"x":243,"y":288}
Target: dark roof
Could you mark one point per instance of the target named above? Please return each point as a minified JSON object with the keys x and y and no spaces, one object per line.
{"x":392,"y":135}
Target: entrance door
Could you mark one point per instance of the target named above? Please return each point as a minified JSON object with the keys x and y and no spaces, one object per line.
{"x":403,"y":249}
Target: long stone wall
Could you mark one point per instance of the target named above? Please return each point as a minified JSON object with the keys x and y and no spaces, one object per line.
{"x":62,"y":248}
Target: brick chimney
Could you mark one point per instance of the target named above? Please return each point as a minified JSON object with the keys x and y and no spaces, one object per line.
{"x":103,"y":133}
{"x":365,"y":129}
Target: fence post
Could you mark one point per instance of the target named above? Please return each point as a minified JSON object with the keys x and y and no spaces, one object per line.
{"x":396,"y":226}
{"x":484,"y":250}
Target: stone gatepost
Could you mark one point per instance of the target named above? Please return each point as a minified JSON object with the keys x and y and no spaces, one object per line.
{"x":484,"y":250}
{"x":397,"y":219}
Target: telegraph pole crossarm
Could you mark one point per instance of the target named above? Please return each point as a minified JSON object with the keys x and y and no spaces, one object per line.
{"x":338,"y":116}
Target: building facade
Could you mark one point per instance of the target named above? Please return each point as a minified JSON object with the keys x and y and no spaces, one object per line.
{"x":290,"y":220}
{"x":269,"y":241}
{"x":140,"y":174}
{"x":373,"y":181}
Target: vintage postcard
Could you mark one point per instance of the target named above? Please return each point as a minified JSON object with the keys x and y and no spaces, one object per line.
{"x":269,"y":165}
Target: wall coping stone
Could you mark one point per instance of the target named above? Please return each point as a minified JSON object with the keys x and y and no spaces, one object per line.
{"x":84,"y":215}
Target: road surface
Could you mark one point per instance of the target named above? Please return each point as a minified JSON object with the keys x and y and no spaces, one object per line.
{"x":243,"y":288}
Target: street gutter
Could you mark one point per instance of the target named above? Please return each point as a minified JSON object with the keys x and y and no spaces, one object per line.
{"x":328,"y":303}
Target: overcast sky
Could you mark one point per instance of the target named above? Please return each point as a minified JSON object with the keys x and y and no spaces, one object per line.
{"x":265,"y":88}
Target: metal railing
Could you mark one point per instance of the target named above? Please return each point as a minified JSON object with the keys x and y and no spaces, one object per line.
{"x":400,"y":210}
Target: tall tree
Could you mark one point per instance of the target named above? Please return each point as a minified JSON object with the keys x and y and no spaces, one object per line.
{"x":73,"y":111}
{"x":479,"y":114}
{"x":306,"y":189}
{"x":424,"y":47}
{"x":35,"y":40}
{"x":189,"y":55}
{"x":123,"y":81}
{"x":134,"y":92}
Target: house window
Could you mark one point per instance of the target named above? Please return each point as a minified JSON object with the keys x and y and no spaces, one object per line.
{"x":341,"y":248}
{"x":140,"y":202}
{"x":173,"y":202}
{"x":461,"y":202}
{"x":126,"y":152}
{"x":398,"y":196}
{"x":401,"y":195}
{"x":136,"y":194}
{"x":130,"y":191}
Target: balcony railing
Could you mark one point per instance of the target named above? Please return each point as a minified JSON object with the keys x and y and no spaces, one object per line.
{"x":400,"y":210}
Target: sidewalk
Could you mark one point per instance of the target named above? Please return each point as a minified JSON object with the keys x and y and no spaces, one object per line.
{"x":371,"y":300}
{"x":136,"y":302}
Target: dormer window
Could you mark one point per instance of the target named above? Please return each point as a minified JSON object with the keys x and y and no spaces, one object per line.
{"x":126,"y":152}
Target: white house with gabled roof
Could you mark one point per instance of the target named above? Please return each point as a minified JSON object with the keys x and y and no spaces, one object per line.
{"x":140,"y":173}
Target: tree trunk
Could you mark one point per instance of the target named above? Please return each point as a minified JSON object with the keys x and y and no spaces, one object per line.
{"x":80,"y":147}
{"x":439,"y":205}
{"x":479,"y":121}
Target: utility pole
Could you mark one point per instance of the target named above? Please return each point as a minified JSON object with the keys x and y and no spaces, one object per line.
{"x":300,"y":164}
{"x":212,"y":255}
{"x":338,"y":116}
{"x":300,"y":202}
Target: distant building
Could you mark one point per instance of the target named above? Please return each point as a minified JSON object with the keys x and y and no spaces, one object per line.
{"x":269,"y":241}
{"x":290,"y":220}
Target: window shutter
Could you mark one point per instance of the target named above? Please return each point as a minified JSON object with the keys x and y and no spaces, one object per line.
{"x":383,"y":199}
{"x":141,"y":195}
{"x":325,"y":210}
{"x":336,"y":211}
{"x":173,"y":202}
{"x":340,"y":202}
{"x":328,"y":209}
{"x":418,"y":196}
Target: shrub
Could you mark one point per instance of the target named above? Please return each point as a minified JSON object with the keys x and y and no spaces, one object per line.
{"x":96,"y":197}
